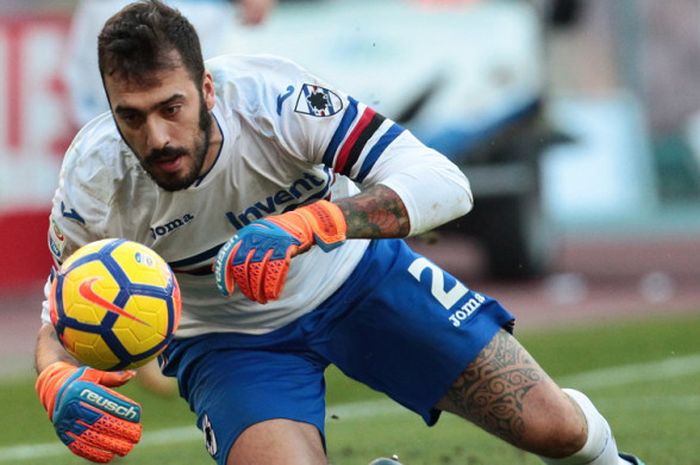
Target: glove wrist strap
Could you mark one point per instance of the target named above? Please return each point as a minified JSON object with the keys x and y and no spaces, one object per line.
{"x":327,"y":223}
{"x":49,"y":382}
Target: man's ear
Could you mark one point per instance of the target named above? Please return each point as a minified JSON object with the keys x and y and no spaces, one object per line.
{"x":208,"y":90}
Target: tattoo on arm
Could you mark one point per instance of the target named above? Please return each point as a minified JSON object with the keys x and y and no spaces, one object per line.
{"x":375,"y":213}
{"x":491,"y":390}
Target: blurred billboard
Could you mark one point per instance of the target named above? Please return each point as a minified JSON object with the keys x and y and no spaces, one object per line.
{"x":550,"y":123}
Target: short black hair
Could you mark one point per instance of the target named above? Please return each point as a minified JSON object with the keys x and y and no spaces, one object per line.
{"x":140,"y":39}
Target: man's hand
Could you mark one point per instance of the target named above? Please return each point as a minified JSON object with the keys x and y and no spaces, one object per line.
{"x":93,"y":421}
{"x":256,"y":260}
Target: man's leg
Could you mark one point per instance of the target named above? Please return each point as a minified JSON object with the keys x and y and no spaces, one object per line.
{"x":278,"y":441}
{"x":413,"y":328}
{"x":283,"y":442}
{"x":505,"y":392}
{"x":255,"y":405}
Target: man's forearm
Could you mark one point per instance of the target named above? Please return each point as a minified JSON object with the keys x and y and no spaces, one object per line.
{"x":375,"y":213}
{"x":49,"y":349}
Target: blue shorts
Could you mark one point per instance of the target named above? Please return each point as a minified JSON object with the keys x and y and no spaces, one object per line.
{"x":399,"y":324}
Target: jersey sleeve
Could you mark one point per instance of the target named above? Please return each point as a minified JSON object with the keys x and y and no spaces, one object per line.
{"x":433,"y":189}
{"x":78,"y":212}
{"x":326,"y":125}
{"x":321,"y":124}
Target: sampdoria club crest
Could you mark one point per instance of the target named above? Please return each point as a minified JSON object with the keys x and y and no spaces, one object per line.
{"x":317,"y":101}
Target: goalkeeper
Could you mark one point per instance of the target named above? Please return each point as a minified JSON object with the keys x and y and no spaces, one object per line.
{"x":280,"y":202}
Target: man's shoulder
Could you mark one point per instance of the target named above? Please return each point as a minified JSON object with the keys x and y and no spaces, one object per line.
{"x":97,"y":158}
{"x":245,"y":64}
{"x":252,"y":76}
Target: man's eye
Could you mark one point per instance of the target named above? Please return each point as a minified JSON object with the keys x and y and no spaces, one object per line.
{"x":172,"y":110}
{"x":129,"y":118}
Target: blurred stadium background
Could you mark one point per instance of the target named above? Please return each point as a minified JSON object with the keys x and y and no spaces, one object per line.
{"x":578,"y":123}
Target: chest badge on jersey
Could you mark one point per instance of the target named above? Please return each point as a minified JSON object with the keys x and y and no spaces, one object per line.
{"x":317,"y":101}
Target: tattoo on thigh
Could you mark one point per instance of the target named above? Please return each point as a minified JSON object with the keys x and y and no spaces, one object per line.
{"x":490,"y":391}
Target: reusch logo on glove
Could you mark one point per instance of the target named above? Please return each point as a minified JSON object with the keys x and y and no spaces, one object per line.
{"x":131,"y":413}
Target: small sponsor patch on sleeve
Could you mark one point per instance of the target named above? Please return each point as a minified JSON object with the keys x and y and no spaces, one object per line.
{"x":57,"y":240}
{"x":318,"y":101}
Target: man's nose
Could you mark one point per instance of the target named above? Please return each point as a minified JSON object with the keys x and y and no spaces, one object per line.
{"x":157,"y":133}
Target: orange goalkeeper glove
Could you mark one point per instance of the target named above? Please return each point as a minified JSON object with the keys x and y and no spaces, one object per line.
{"x":93,"y":421}
{"x":256,"y":260}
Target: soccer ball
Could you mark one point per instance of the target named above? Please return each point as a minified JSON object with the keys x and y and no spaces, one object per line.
{"x":115,"y":304}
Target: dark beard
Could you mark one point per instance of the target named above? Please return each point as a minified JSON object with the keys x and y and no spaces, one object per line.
{"x":200,"y":149}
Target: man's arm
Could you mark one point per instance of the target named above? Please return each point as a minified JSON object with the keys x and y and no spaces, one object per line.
{"x":88,"y":427}
{"x":257,"y":259}
{"x":49,"y":350}
{"x":375,"y":213}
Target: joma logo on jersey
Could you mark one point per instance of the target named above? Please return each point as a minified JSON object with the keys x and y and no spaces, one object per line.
{"x":162,"y":230}
{"x":299,"y":188}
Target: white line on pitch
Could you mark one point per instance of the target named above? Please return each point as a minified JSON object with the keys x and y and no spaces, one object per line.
{"x":626,"y":374}
{"x":615,"y":376}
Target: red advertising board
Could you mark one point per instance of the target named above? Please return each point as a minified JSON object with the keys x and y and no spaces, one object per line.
{"x":35,"y":129}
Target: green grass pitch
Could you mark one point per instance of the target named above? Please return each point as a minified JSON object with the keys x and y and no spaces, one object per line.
{"x":643,"y":375}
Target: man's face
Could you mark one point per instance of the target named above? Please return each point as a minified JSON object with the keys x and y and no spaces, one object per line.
{"x":166,"y":124}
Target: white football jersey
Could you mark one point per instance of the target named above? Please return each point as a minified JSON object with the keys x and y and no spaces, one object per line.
{"x":288,"y":139}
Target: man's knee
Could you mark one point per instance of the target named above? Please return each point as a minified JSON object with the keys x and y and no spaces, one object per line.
{"x":556,"y":427}
{"x":599,"y":446}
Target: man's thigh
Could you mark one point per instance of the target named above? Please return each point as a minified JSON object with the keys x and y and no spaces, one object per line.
{"x":231,"y":390}
{"x":412,"y":327}
{"x":278,"y":441}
